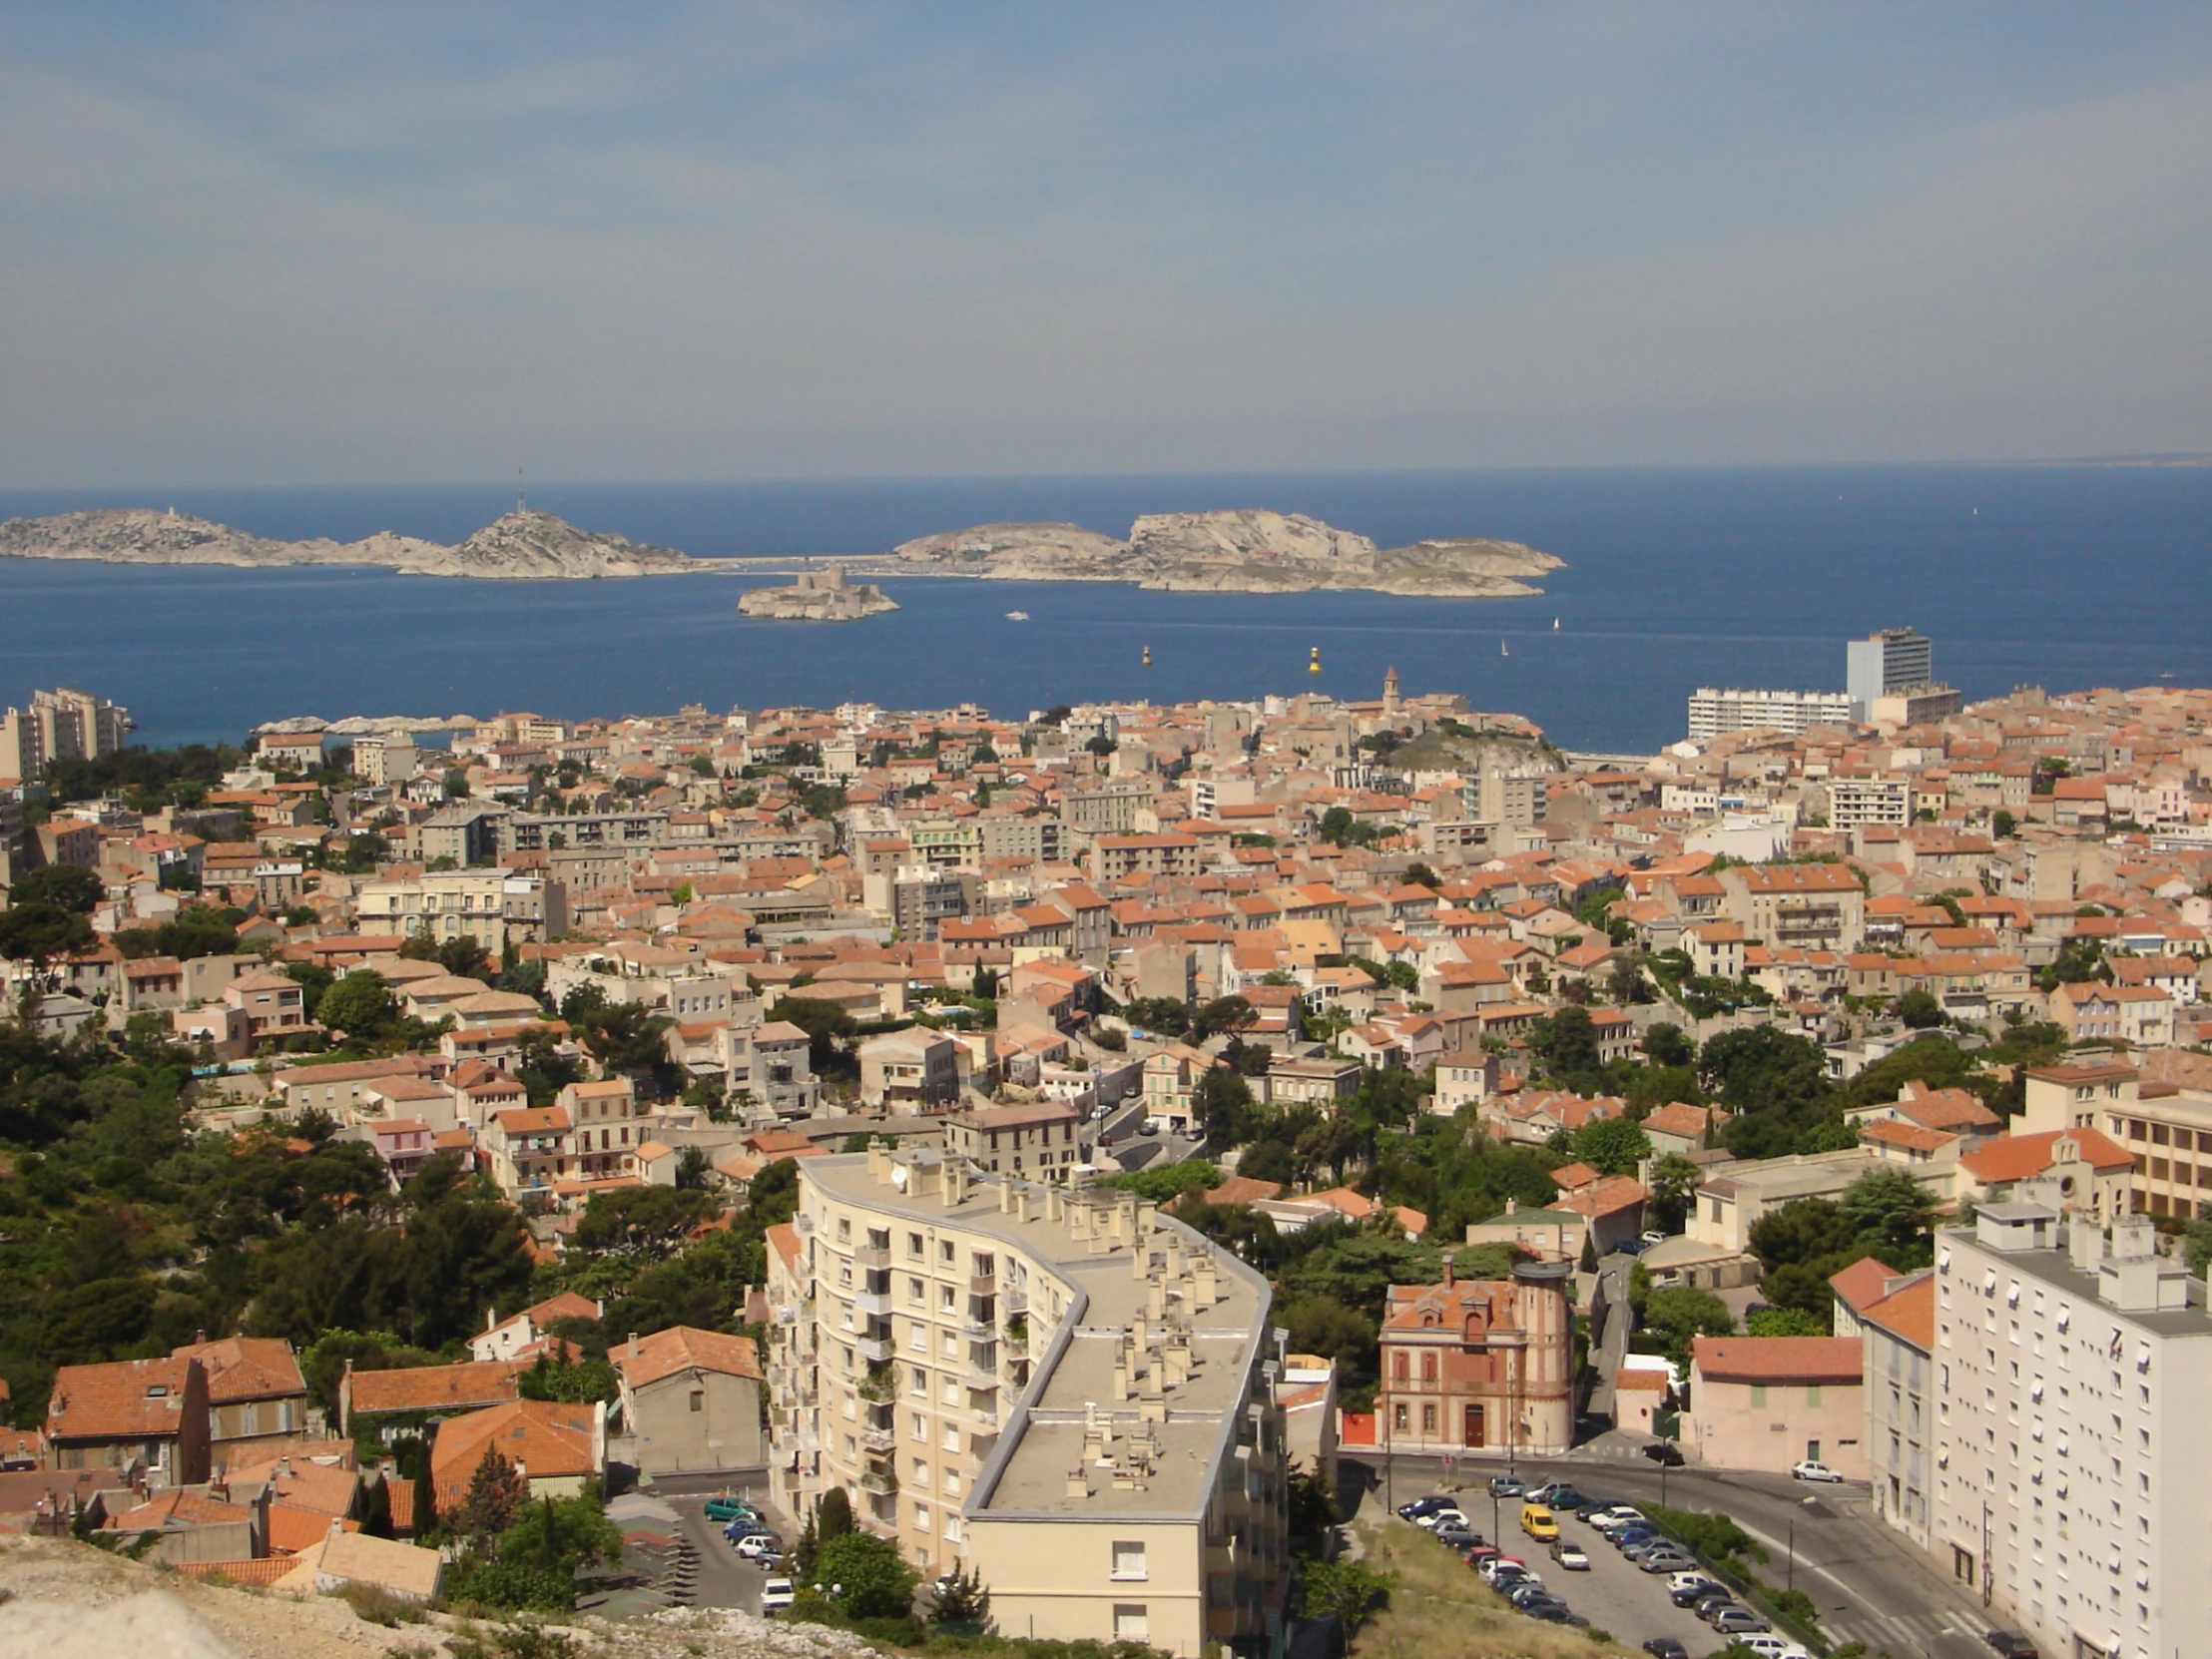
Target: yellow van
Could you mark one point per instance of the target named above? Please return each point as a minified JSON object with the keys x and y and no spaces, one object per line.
{"x":1538,"y":1522}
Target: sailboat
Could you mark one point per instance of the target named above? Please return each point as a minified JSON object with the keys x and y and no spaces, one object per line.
{"x":1555,"y":625}
{"x":1501,"y":651}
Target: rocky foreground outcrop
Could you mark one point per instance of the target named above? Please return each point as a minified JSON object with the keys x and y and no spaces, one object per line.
{"x":521,"y":546}
{"x":1246,"y":551}
{"x":63,"y":1600}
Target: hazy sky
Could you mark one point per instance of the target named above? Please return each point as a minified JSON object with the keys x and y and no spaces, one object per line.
{"x":374,"y":243}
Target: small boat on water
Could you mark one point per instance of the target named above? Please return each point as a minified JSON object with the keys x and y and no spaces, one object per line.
{"x":1501,"y":651}
{"x":1147,"y":656}
{"x":1312,"y":662}
{"x":1017,"y":616}
{"x":1555,"y":625}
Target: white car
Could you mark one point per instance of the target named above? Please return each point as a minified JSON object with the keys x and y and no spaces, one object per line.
{"x":1811,"y":1470}
{"x":754,"y":1545}
{"x":1691,"y":1580}
{"x":1570,"y":1557}
{"x":776,"y":1594}
{"x":1440,"y":1517}
{"x":1612,"y":1520}
{"x":1655,"y":1236}
{"x":1770,"y":1646}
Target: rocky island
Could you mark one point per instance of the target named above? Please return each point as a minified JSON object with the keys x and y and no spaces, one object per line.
{"x":817,"y":596}
{"x":520,"y":546}
{"x":1245,"y":551}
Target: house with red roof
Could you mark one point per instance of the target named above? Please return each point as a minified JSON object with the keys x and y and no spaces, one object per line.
{"x":1767,"y":1402}
{"x":2081,"y":1169}
{"x":691,"y":1402}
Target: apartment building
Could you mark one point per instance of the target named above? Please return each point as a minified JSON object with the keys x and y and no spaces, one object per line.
{"x":2073,"y":1423}
{"x":1714,"y":710}
{"x":2166,"y":1129}
{"x":1116,"y":857}
{"x":1855,"y":803}
{"x":487,"y":905}
{"x":1058,"y":1387}
{"x":1897,"y":1328}
{"x":1803,"y":906}
{"x":1045,"y":1140}
{"x":58,"y":726}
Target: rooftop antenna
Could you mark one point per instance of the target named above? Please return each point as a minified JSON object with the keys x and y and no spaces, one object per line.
{"x":519,"y":505}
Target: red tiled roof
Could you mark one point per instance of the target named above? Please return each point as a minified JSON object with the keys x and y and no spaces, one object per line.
{"x":1778,"y":1358}
{"x":2018,"y":1157}
{"x":682,"y":1348}
{"x":431,"y":1387}
{"x":130,"y":1399}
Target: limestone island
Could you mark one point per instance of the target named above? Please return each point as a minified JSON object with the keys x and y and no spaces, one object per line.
{"x":817,"y":596}
{"x":1243,"y":551}
{"x":519,"y":546}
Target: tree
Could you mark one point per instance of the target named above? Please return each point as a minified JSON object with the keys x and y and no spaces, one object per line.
{"x":1665,"y":1044}
{"x":1350,"y":1593}
{"x":65,"y":886}
{"x":864,"y":1576}
{"x":495,"y":1493}
{"x":360,"y":1005}
{"x":1673,"y":1183}
{"x":1569,"y":1042}
{"x":2002,"y":825}
{"x":1681,"y":1313}
{"x":1223,"y":1104}
{"x":1612,"y":1146}
{"x":963,"y":1599}
{"x":1420,"y":875}
{"x":1588,"y":1262}
{"x":1786,"y":1322}
{"x":1890,"y":1213}
{"x":691,"y":1170}
{"x":833,"y":1514}
{"x":1919,"y":1010}
{"x":38,"y":934}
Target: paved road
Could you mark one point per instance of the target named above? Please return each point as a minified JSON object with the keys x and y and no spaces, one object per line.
{"x":1868,"y":1586}
{"x":1610,"y":1343}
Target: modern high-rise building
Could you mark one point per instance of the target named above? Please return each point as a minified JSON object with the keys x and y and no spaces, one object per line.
{"x":1056,"y":1387}
{"x":58,"y":726}
{"x":1887,"y":660}
{"x":2073,"y":1426}
{"x":1714,"y":710}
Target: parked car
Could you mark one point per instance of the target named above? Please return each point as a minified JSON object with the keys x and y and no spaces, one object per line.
{"x":1475,"y":1554}
{"x":1538,"y":1522}
{"x":776,"y":1595}
{"x":756,"y":1544}
{"x":1558,"y":1612}
{"x":1664,"y":1451}
{"x":1808,"y":1469}
{"x":1570,"y":1556}
{"x":1666,"y":1647}
{"x":1692,"y":1579}
{"x":1631,"y":1247}
{"x":1597,"y":1506}
{"x":1561,"y":1494}
{"x":1689,"y":1595}
{"x":1667,"y":1560}
{"x":1436,"y":1518}
{"x":1459,"y":1538}
{"x":1497,"y":1565}
{"x":1653,"y":1235}
{"x":1710,"y":1602}
{"x":1637,"y":1534}
{"x":1424,"y":1506}
{"x":1770,"y":1646}
{"x":1507,"y":1485}
{"x":725,"y":1508}
{"x":2011,"y":1644}
{"x":1612,"y":1519}
{"x":1737,"y":1621}
{"x":1657,"y":1544}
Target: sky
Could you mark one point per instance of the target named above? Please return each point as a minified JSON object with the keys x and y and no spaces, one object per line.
{"x":321,"y":244}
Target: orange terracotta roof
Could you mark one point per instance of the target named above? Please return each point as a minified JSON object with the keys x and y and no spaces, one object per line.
{"x":1863,"y":1284}
{"x":1908,"y":1312}
{"x":1778,"y":1358}
{"x":130,"y":1399}
{"x":432,"y":1388}
{"x":681,"y":1348}
{"x":2018,"y":1157}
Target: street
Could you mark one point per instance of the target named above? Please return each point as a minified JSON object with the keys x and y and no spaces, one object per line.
{"x":1868,"y":1586}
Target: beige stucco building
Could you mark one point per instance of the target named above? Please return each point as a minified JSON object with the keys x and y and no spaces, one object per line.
{"x":691,"y":1400}
{"x":1056,"y":1387}
{"x":1766,"y":1402}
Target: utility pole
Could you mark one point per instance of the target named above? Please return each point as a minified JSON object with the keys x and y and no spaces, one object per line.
{"x":1789,"y":1576}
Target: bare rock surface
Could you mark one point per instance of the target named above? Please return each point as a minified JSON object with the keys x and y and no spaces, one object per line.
{"x":521,"y":545}
{"x":1241,"y":551}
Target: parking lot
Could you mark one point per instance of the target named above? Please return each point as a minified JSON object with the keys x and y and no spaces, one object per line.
{"x":725,"y":1578}
{"x":1615,"y":1594}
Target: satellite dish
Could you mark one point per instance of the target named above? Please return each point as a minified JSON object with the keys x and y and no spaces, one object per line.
{"x":898,"y":1175}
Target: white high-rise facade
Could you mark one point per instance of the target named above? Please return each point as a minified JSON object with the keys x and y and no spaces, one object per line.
{"x":2074,"y":1432}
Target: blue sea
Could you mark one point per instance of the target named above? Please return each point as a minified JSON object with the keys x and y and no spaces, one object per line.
{"x":2059,"y":576}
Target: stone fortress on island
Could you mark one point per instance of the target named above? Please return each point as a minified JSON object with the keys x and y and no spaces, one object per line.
{"x":817,"y":596}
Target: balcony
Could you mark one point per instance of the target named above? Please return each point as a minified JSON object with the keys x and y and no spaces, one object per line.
{"x":879,"y":1483}
{"x":1015,"y":1298}
{"x":871,"y":1256}
{"x":876,"y":1351}
{"x":878,"y":1303}
{"x":982,"y":1283}
{"x":879,"y":1439}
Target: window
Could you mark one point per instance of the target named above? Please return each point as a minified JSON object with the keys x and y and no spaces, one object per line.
{"x":1812,"y":1394}
{"x":1128,"y":1559}
{"x":1429,"y":1420}
{"x":699,"y":1400}
{"x":1429,"y":1368}
{"x":1397,"y":1418}
{"x":1398,"y":1368}
{"x":915,"y":1292}
{"x":914,"y":1245}
{"x":918,"y":1427}
{"x":1130,"y":1624}
{"x":1758,"y":1395}
{"x":945,"y":1251}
